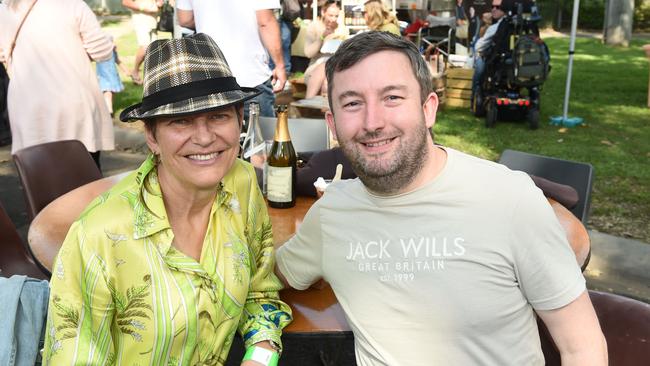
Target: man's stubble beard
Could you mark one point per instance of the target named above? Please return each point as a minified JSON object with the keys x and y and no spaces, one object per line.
{"x":389,"y":177}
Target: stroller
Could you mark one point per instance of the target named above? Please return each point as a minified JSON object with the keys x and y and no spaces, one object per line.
{"x":517,"y":64}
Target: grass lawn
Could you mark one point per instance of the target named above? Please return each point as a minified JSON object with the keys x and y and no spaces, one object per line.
{"x":609,"y":90}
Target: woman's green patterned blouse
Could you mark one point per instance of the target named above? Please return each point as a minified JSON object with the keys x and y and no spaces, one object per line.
{"x":121,"y":293}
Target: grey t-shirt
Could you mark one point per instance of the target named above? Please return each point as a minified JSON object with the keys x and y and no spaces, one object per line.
{"x":448,"y":274}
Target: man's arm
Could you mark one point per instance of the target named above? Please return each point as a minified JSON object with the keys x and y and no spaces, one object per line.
{"x":269,"y":30}
{"x":185,"y":18}
{"x":484,"y":42}
{"x":281,"y":277}
{"x":130,"y":4}
{"x":576,"y":332}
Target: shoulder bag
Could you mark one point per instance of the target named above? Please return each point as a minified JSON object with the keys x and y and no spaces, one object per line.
{"x":166,"y":18}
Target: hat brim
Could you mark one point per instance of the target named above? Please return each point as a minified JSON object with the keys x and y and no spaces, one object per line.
{"x":203,"y":103}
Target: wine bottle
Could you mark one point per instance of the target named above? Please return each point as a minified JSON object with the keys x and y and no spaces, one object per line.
{"x":281,"y":171}
{"x":254,"y":146}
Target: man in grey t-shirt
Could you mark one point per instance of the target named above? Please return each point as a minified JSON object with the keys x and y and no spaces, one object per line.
{"x":436,"y":257}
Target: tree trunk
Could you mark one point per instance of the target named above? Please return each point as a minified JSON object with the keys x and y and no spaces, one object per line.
{"x":619,"y":15}
{"x":559,"y":12}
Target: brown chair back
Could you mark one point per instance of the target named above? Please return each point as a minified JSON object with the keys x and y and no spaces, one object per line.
{"x":50,"y":227}
{"x":49,"y":170}
{"x":14,"y":258}
{"x":626,"y":325}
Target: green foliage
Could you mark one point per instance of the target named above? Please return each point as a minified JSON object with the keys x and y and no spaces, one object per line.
{"x":132,"y":308}
{"x":590,"y":16}
{"x":69,"y":319}
{"x":609,"y":90}
{"x":642,"y":15}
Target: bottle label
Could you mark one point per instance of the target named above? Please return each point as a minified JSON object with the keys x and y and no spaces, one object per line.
{"x":278,"y":184}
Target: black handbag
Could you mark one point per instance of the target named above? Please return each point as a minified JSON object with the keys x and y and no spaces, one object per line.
{"x":5,"y":131}
{"x":166,"y":18}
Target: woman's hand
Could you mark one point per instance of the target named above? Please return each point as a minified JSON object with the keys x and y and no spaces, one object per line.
{"x":264,"y":344}
{"x":328,"y":32}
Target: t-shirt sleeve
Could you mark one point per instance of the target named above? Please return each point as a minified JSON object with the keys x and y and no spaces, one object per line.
{"x":184,"y":4}
{"x":266,"y":4}
{"x":299,"y":259}
{"x":545,"y":264}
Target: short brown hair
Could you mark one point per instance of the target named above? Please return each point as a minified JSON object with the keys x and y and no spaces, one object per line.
{"x":357,"y":48}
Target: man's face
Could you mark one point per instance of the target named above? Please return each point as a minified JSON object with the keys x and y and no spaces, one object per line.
{"x":497,"y":13}
{"x":198,"y":150}
{"x":379,"y":120}
{"x":331,"y":16}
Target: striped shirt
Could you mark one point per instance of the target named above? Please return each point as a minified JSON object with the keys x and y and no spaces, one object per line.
{"x":121,"y":292}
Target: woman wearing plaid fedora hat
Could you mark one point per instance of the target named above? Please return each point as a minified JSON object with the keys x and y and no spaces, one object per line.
{"x":167,"y":265}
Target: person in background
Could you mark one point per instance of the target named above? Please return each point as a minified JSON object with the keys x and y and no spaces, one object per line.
{"x":109,"y":77}
{"x":486,"y":20}
{"x":175,"y":258}
{"x":379,"y":18}
{"x":143,"y":18}
{"x":474,"y":27}
{"x":483,"y":44}
{"x":413,"y":28}
{"x":53,"y":94}
{"x":319,"y":31}
{"x":247,"y":32}
{"x":289,"y":13}
{"x":305,"y":9}
{"x":435,"y":256}
{"x":461,"y":21}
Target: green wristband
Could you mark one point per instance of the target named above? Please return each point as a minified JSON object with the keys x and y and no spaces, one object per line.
{"x":262,"y":355}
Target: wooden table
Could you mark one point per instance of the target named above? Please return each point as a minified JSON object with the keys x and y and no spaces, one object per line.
{"x":313,"y":310}
{"x":319,"y":333}
{"x":314,"y":107}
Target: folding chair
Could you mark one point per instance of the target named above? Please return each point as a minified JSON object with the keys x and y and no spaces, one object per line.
{"x":442,"y":37}
{"x":49,"y":170}
{"x":575,"y":174}
{"x":14,"y":257}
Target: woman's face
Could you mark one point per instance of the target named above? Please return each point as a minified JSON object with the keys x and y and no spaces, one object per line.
{"x":195,"y":151}
{"x":330,"y":16}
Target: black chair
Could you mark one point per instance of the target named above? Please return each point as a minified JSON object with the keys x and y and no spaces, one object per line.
{"x":575,"y":174}
{"x":49,"y":170}
{"x":14,"y":257}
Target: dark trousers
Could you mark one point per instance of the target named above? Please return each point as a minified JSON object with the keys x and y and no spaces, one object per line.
{"x":95,"y":156}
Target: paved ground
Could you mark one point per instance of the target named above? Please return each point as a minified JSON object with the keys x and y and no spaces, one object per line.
{"x":617,"y":265}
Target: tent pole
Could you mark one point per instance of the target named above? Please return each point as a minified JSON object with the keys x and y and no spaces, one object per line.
{"x":572,"y":44}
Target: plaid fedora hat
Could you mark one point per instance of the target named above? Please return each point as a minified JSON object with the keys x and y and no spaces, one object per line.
{"x":185,"y":76}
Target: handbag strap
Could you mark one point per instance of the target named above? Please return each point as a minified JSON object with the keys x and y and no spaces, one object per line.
{"x":13,"y":42}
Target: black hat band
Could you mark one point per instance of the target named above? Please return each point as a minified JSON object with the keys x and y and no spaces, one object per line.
{"x":190,"y":90}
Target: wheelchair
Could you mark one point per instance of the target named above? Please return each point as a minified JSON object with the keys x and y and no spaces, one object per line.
{"x":516,"y":66}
